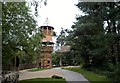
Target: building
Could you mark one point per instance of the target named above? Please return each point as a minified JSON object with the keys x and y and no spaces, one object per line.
{"x":47,"y":45}
{"x":62,"y":49}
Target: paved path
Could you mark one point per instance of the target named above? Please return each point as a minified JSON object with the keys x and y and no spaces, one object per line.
{"x":70,"y":76}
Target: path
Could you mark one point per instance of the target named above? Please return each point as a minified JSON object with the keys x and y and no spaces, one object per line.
{"x":70,"y":76}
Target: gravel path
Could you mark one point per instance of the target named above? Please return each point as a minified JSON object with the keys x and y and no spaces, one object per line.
{"x":70,"y":76}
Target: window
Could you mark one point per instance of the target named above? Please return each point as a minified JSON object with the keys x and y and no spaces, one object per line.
{"x":48,"y":61}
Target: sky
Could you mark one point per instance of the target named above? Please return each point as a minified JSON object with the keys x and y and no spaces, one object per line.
{"x":60,"y":13}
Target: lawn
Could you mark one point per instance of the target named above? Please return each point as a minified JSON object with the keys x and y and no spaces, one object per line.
{"x":37,"y":69}
{"x":92,"y":77}
{"x":43,"y":80}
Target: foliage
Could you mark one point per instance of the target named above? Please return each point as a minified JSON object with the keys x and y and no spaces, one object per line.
{"x":96,"y":35}
{"x":55,"y":59}
{"x":44,"y":80}
{"x":69,"y":58}
{"x":35,"y":4}
{"x":0,"y":18}
{"x":116,"y":74}
{"x":61,"y":38}
{"x":20,"y":35}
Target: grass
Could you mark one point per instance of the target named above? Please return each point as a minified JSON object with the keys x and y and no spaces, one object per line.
{"x":92,"y":77}
{"x":43,"y":80}
{"x":37,"y":69}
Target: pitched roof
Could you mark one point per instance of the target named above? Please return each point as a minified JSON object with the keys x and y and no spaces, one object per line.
{"x":47,"y":24}
{"x":64,"y":49}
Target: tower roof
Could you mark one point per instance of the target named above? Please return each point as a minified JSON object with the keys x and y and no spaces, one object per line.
{"x":47,"y":24}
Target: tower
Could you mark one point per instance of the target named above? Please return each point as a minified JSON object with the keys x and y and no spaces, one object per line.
{"x":47,"y":45}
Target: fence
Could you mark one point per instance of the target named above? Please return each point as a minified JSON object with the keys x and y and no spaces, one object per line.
{"x":27,"y":66}
{"x":21,"y":67}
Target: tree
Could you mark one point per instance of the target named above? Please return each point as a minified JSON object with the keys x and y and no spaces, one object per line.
{"x":96,"y":34}
{"x":61,"y":42}
{"x":36,"y":4}
{"x":55,"y":59}
{"x":20,"y":32}
{"x":61,"y":38}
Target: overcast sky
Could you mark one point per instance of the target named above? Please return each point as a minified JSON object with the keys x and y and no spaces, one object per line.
{"x":61,"y":13}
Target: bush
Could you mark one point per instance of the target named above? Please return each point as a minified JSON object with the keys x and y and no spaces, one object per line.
{"x":115,"y":75}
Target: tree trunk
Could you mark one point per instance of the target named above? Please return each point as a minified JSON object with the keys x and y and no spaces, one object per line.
{"x":114,"y":27}
{"x":113,"y":55}
{"x":109,"y":30}
{"x":15,"y":64}
{"x":118,"y":51}
{"x":60,"y":59}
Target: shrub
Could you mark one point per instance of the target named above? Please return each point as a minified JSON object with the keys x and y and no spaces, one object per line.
{"x":115,"y":75}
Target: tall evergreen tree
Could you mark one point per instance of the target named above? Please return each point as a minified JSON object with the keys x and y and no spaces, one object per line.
{"x":96,"y":34}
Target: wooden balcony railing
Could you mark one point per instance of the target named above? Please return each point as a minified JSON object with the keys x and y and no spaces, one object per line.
{"x":47,"y":48}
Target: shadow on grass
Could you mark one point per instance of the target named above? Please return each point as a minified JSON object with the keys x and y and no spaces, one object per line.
{"x":43,"y":80}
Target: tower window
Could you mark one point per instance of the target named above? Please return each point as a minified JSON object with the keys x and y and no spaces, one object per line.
{"x":48,"y":61}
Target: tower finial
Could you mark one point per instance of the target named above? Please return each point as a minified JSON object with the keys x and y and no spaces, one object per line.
{"x":46,"y":23}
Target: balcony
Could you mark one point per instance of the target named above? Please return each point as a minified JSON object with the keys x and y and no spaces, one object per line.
{"x":47,"y":48}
